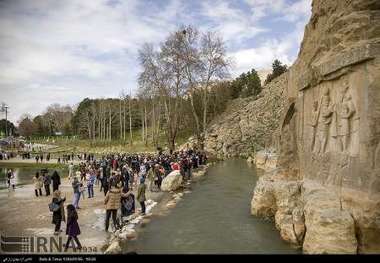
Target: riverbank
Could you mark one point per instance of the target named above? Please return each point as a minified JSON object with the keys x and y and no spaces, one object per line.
{"x":23,"y":214}
{"x":156,"y":207}
{"x":18,"y":162}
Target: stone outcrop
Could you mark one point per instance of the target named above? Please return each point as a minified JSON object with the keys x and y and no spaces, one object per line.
{"x":247,"y":124}
{"x":330,"y":229}
{"x":172,"y":181}
{"x":265,"y":159}
{"x":329,"y":135}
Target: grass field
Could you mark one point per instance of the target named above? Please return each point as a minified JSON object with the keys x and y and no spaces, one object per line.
{"x":65,"y":144}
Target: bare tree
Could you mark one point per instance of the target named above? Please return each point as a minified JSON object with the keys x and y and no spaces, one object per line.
{"x":130,"y":117}
{"x":205,"y":62}
{"x":162,"y":74}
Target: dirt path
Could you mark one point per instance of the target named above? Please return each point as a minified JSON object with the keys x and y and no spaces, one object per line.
{"x":22,"y":213}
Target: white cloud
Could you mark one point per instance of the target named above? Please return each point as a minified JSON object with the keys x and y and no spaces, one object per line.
{"x":234,"y":24}
{"x":261,"y":57}
{"x":64,"y":51}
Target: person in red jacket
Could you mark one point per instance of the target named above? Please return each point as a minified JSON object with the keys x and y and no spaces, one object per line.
{"x":175,"y":166}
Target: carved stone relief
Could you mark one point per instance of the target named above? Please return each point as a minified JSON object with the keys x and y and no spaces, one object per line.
{"x":344,"y":113}
{"x":333,"y":121}
{"x":323,"y":120}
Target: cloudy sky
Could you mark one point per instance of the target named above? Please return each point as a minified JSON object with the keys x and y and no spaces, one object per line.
{"x":61,"y":51}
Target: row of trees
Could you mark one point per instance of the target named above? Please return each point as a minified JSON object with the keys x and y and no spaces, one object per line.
{"x":7,"y":125}
{"x":182,"y":86}
{"x":55,"y":120}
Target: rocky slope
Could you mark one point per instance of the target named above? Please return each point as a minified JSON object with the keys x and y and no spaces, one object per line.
{"x":247,"y":124}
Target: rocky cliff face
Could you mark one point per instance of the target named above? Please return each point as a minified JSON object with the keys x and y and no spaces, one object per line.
{"x":325,"y":193}
{"x":323,"y":118}
{"x":248,"y":124}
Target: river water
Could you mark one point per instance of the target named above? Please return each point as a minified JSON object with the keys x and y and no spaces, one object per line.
{"x":214,"y":218}
{"x":24,"y":175}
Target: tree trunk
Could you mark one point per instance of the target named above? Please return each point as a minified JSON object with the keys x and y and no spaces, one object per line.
{"x":124,"y":121}
{"x":153,"y":125}
{"x":110,"y":125}
{"x":196,"y":118}
{"x":205,"y":104}
{"x":121,"y":122}
{"x":146,"y":126}
{"x":142,"y":126}
{"x":130,"y":122}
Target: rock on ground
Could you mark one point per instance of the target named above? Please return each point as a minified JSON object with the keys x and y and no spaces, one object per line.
{"x":172,"y":181}
{"x":114,"y":247}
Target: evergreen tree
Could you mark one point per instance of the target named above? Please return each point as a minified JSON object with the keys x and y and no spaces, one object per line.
{"x":277,"y":69}
{"x":247,"y":84}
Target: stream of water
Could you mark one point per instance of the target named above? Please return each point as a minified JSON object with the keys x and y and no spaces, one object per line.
{"x":214,"y":218}
{"x":24,"y":175}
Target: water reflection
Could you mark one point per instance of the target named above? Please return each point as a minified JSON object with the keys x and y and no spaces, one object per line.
{"x":23,"y":175}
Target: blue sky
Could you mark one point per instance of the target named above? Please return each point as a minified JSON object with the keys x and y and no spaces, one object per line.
{"x":63,"y":51}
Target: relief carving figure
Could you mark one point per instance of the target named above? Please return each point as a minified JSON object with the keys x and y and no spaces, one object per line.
{"x":345,"y":110}
{"x":314,"y":123}
{"x":324,"y":120}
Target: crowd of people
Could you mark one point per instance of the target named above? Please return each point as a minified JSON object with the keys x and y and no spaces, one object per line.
{"x":4,"y":155}
{"x":118,"y":177}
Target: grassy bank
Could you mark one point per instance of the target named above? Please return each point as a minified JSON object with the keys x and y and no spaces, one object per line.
{"x":66,"y":144}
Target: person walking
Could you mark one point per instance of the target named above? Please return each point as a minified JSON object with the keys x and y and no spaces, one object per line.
{"x":151,"y":178}
{"x":141,"y":194}
{"x":90,"y":183}
{"x":71,"y":170}
{"x":56,"y":180}
{"x":37,"y":184}
{"x":72,"y":228}
{"x":112,"y":203}
{"x":76,"y":187}
{"x":59,"y":213}
{"x":47,"y":182}
{"x":127,"y":202}
{"x":9,"y":176}
{"x":12,"y":181}
{"x":105,"y":181}
{"x":158,"y":172}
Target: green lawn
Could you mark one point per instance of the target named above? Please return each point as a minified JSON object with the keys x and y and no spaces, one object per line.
{"x":66,"y":144}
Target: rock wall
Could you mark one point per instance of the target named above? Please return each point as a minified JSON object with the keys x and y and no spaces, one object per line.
{"x":247,"y":124}
{"x":329,"y":141}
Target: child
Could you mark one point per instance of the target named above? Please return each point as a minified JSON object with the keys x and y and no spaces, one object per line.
{"x":72,"y":227}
